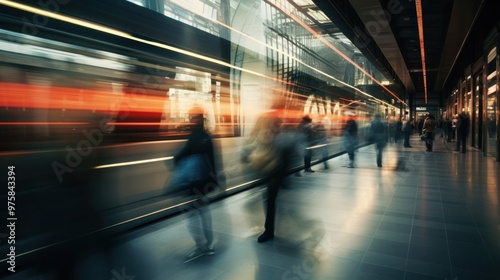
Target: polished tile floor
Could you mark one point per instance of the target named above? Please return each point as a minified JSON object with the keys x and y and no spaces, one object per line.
{"x":438,"y":219}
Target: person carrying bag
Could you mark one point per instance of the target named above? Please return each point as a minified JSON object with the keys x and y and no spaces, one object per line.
{"x":428,"y":132}
{"x":195,"y":172}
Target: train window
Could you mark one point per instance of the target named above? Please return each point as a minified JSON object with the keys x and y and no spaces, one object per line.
{"x":52,"y":91}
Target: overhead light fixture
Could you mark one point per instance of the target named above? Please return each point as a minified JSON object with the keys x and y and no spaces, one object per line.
{"x":418,"y":5}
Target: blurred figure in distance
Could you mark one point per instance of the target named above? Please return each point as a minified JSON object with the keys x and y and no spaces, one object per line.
{"x":351,"y":138}
{"x":379,"y":135}
{"x":463,"y":125}
{"x":429,"y":128}
{"x":407,"y":132}
{"x":320,"y":130}
{"x":306,"y":132}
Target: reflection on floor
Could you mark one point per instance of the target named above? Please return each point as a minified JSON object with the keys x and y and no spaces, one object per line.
{"x":438,"y":219}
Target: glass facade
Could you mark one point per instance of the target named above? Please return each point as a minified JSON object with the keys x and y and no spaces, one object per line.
{"x":290,"y":45}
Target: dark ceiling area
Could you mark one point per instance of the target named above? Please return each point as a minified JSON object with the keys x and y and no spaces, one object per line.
{"x":436,"y":17}
{"x":386,"y":31}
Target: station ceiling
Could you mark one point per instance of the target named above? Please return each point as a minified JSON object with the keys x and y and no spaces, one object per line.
{"x":389,"y":34}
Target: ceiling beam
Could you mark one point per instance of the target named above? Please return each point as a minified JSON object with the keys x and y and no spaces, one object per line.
{"x":464,"y":14}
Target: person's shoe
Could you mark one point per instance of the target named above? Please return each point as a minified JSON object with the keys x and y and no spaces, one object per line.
{"x":297,"y":174}
{"x":199,"y":252}
{"x":379,"y":165}
{"x":309,"y":170}
{"x":408,"y":146}
{"x":265,"y":237}
{"x":350,"y":165}
{"x":209,"y":250}
{"x":326,"y":166}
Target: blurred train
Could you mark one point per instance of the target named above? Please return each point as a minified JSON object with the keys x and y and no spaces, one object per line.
{"x":93,"y":109}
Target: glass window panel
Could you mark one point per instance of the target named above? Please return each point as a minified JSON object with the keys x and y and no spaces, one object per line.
{"x":304,"y":2}
{"x":137,"y":2}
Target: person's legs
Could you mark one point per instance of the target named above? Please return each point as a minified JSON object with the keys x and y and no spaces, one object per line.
{"x":194,"y":217}
{"x":324,"y":152}
{"x":350,"y":153}
{"x":307,"y":160}
{"x":199,"y":217}
{"x":407,"y":140}
{"x":206,"y":223}
{"x":272,"y":193}
{"x":379,"y":155}
{"x":194,"y":222}
{"x":463,"y":140}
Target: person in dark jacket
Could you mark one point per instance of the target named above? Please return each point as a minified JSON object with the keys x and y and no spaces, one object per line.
{"x":306,"y":129}
{"x":200,"y":143}
{"x":351,"y":139}
{"x":463,"y":124}
{"x":280,"y":145}
{"x":379,"y":134}
{"x":407,"y":132}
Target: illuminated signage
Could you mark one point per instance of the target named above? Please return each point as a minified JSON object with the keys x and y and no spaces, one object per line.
{"x":421,"y":108}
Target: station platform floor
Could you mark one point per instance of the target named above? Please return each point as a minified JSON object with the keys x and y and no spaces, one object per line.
{"x":438,"y":219}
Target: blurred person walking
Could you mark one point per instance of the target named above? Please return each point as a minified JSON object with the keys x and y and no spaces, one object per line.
{"x":429,"y":130}
{"x":199,"y":154}
{"x":322,"y":140}
{"x":269,"y":151}
{"x":307,"y":134}
{"x":399,"y":128}
{"x":463,"y":124}
{"x":378,"y":135}
{"x":448,"y":129}
{"x":351,"y":139}
{"x":407,"y":129}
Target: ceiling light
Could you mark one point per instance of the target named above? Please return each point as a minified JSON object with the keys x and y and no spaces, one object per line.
{"x":418,"y":5}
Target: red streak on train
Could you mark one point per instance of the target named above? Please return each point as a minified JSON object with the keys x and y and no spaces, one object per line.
{"x":14,"y":95}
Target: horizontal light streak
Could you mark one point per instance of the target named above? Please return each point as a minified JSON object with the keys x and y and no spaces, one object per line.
{"x":244,"y":184}
{"x":317,"y":146}
{"x":146,"y":123}
{"x":36,"y":96}
{"x":188,"y":53}
{"x":133,"y":162}
{"x":43,"y":123}
{"x":332,"y":47}
{"x":122,"y":34}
